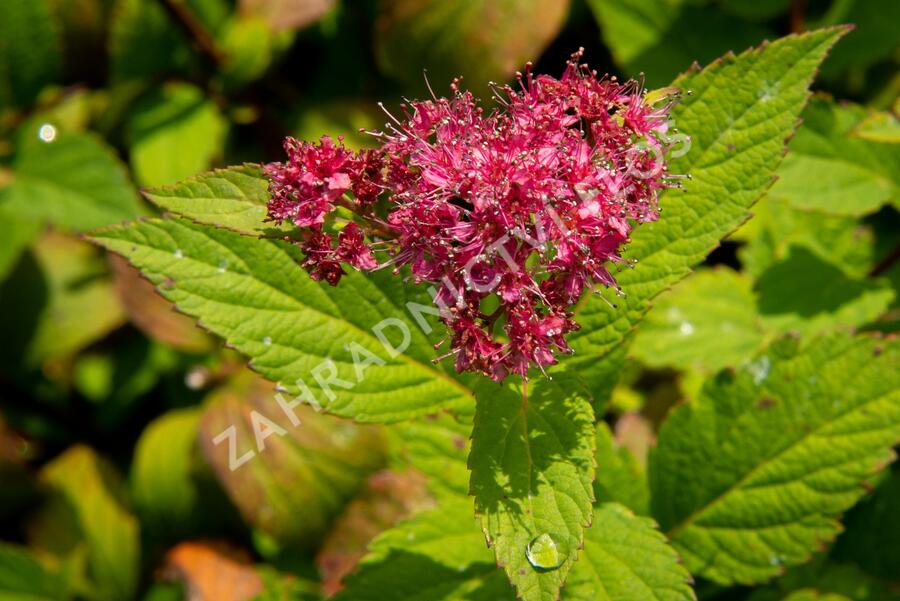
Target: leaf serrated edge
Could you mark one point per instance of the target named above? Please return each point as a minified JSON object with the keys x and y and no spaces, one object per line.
{"x":245,"y":168}
{"x":481,"y":515}
{"x":693,"y":70}
{"x":465,"y":390}
{"x":822,"y":541}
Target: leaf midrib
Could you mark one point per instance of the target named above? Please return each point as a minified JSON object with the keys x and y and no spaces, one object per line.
{"x":691,"y":518}
{"x":412,"y":362}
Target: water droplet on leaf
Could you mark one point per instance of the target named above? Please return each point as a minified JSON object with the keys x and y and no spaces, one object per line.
{"x":543,"y":553}
{"x":178,"y":253}
{"x":267,"y":341}
{"x":759,"y":369}
{"x":47,"y":133}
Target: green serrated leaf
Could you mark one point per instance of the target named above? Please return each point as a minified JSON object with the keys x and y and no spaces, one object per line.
{"x":660,"y":38}
{"x":777,"y":227}
{"x":174,"y":132}
{"x":30,"y":53}
{"x":74,"y":182}
{"x":620,"y":478}
{"x":787,"y":304}
{"x":708,"y":321}
{"x":829,"y":169}
{"x":233,"y":198}
{"x":625,"y":558}
{"x":718,"y":318}
{"x":253,"y":294}
{"x":751,"y":476}
{"x":88,"y":512}
{"x":532,"y":464}
{"x":438,"y":555}
{"x":825,"y":576}
{"x":153,"y":315}
{"x":741,"y":111}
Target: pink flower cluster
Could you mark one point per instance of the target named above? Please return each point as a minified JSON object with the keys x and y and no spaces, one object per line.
{"x":511,"y":213}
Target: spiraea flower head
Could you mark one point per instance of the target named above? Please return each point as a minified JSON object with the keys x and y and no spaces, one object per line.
{"x":511,"y":213}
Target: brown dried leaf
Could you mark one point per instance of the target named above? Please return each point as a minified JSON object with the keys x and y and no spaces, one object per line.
{"x":387,"y":498}
{"x":297,"y":480}
{"x":635,"y":432}
{"x":282,"y":15}
{"x":482,"y":40}
{"x":212,"y":572}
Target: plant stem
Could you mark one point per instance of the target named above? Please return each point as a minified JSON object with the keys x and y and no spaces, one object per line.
{"x":185,"y":19}
{"x":371,"y":225}
{"x":798,"y":16}
{"x":885,"y":263}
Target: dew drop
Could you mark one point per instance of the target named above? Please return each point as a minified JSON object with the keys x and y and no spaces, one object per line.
{"x":759,"y":369}
{"x":196,"y":378}
{"x":686,"y":328}
{"x":267,"y":341}
{"x":178,"y":253}
{"x":47,"y":133}
{"x":543,"y":553}
{"x":223,"y":265}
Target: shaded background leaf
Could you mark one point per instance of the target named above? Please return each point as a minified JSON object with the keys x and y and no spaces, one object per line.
{"x":661,"y":38}
{"x":300,"y":475}
{"x":175,"y":132}
{"x":30,"y":51}
{"x":88,"y":506}
{"x":480,"y":40}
